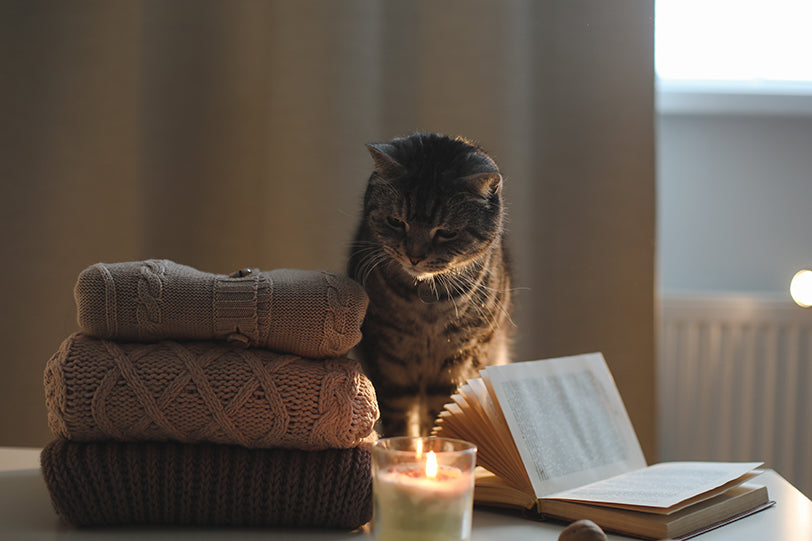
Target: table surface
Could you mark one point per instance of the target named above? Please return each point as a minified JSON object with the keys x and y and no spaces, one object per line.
{"x":26,"y":513}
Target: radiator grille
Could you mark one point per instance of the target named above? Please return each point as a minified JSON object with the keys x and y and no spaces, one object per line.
{"x":735,"y":382}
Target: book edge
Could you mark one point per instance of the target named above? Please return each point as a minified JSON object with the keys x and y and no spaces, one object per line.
{"x":651,"y":526}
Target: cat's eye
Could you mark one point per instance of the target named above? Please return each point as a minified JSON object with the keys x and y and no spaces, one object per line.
{"x":445,"y":234}
{"x":394,"y":223}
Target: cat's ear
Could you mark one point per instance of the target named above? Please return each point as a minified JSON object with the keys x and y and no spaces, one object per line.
{"x":485,"y":184}
{"x":385,"y":164}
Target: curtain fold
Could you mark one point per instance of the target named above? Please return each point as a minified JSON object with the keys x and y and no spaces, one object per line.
{"x":224,"y":135}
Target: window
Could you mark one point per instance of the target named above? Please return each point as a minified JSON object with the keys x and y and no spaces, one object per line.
{"x":734,"y":54}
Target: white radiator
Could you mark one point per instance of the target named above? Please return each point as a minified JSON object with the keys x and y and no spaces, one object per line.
{"x":735,"y":382}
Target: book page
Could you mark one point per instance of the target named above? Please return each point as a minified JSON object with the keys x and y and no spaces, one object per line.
{"x":663,"y":486}
{"x":567,"y":420}
{"x":471,"y":415}
{"x":505,"y":460}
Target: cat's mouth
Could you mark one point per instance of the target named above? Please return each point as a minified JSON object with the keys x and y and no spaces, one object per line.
{"x":425,"y":269}
{"x":419,"y":271}
{"x":419,"y":274}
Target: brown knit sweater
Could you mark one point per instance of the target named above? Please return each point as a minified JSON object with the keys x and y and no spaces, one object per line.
{"x":205,"y":392}
{"x":113,"y":483}
{"x":309,"y":313}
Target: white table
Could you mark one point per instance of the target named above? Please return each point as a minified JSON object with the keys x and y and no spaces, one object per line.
{"x":26,"y":513}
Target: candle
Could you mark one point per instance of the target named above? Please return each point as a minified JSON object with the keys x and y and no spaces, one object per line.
{"x":423,"y":489}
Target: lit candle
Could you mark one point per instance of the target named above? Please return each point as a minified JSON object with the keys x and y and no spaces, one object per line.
{"x":423,"y":489}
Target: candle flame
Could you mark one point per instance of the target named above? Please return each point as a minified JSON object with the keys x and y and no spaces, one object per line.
{"x":431,"y":464}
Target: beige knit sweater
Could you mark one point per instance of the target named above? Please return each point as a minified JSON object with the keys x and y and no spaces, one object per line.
{"x":195,"y":392}
{"x":309,"y":313}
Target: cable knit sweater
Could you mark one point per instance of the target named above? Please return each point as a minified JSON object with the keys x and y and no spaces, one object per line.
{"x":113,"y":483}
{"x":309,"y":313}
{"x":192,"y":398}
{"x":205,"y":392}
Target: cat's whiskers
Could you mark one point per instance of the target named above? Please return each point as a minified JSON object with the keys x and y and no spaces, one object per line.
{"x":482,"y":289}
{"x":486,"y":292}
{"x":480,"y":294}
{"x":373,"y":257}
{"x":478,"y":302}
{"x":362,"y":248}
{"x":443,"y":279}
{"x":465,"y":294}
{"x":483,"y":269}
{"x":434,"y":287}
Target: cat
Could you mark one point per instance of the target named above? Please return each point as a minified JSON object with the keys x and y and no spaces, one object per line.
{"x":430,"y":252}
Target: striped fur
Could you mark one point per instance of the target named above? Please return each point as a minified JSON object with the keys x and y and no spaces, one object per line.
{"x":430,"y":253}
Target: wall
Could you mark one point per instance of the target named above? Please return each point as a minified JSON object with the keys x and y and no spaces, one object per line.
{"x":734,"y":225}
{"x":734,"y":202}
{"x":224,"y":135}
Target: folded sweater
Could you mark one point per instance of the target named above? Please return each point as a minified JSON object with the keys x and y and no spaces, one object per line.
{"x":205,"y":392}
{"x":113,"y":483}
{"x":308,"y":313}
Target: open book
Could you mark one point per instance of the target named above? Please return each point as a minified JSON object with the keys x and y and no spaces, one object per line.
{"x":555,"y":440}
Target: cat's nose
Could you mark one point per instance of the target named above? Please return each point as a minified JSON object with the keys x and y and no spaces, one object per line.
{"x":415,"y":259}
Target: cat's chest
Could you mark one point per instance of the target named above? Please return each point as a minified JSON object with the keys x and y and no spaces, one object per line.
{"x":411,"y":314}
{"x":417,"y":328}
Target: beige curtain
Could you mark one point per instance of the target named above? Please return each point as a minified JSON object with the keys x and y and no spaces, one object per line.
{"x":228,"y":134}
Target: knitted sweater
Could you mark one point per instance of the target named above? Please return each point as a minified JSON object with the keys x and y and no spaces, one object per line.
{"x":309,"y":313}
{"x":113,"y":483}
{"x":205,"y":392}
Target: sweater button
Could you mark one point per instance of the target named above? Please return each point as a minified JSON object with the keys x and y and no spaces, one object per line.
{"x":241,"y":273}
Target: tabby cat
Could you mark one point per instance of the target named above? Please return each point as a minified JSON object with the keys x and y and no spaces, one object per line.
{"x":430,"y":253}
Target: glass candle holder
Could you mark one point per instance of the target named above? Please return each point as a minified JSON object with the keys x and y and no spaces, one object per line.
{"x":423,"y":489}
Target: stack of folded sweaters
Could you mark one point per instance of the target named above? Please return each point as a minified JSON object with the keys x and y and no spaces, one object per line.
{"x":197,"y":398}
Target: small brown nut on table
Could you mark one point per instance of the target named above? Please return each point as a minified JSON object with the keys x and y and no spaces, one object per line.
{"x":582,"y":530}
